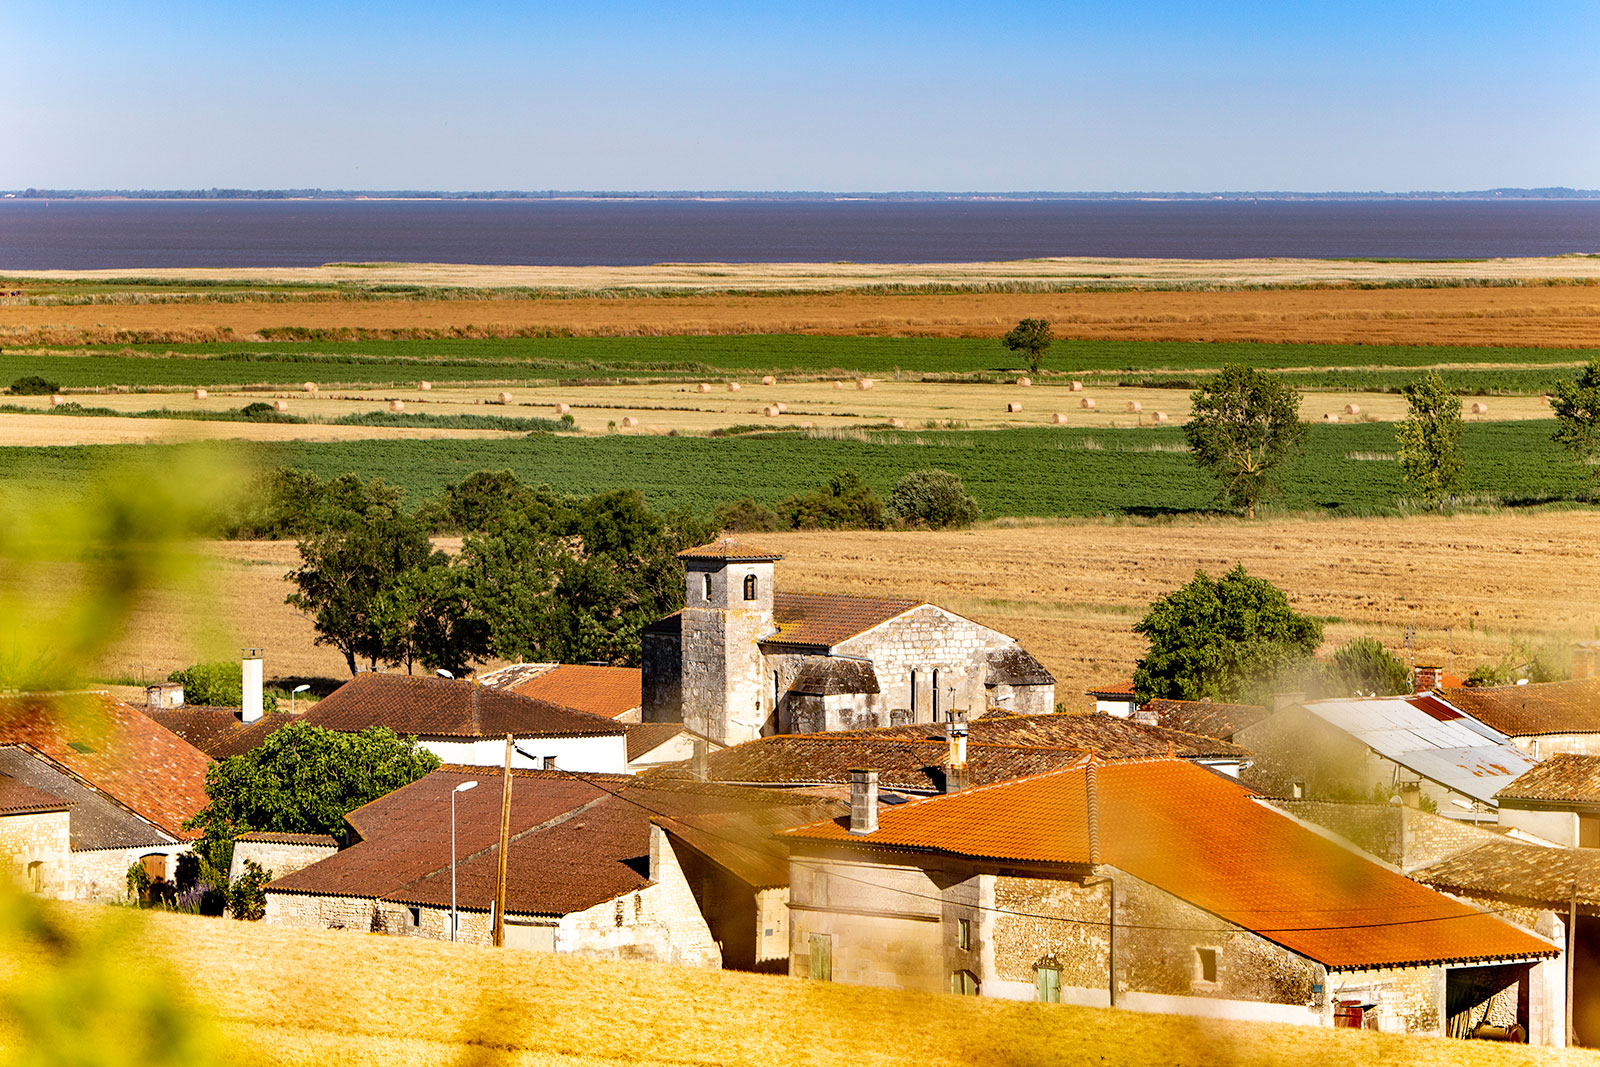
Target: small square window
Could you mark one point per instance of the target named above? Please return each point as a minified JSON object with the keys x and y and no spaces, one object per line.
{"x":1207,"y":960}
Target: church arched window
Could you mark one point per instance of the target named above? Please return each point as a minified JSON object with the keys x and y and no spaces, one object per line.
{"x":749,"y":587}
{"x":708,"y":588}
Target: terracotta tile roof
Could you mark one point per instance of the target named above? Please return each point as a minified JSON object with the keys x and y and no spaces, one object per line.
{"x":576,"y":841}
{"x":1109,"y":736}
{"x":1567,"y":777}
{"x":1205,"y":839}
{"x":513,"y":675}
{"x":1529,"y":710}
{"x":729,"y":549}
{"x":219,"y":732}
{"x":1519,"y":872}
{"x":606,"y":691}
{"x":114,"y":749}
{"x":290,"y":839}
{"x":822,"y":620}
{"x":439,"y":707}
{"x":1115,"y":689}
{"x":96,"y":821}
{"x":1204,"y":716}
{"x":644,"y":737}
{"x":19,"y":799}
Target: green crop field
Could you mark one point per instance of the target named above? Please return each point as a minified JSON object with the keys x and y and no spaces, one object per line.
{"x":1346,"y":470}
{"x":550,"y":359}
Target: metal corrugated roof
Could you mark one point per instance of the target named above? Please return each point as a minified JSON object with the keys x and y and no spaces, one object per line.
{"x":1458,"y":753}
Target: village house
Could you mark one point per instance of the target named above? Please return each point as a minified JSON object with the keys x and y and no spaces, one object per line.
{"x":1152,"y":885}
{"x":1115,"y":698}
{"x":1558,"y":801}
{"x":743,"y":660}
{"x":1347,"y":749}
{"x":605,"y":866}
{"x":611,"y":692}
{"x":123,"y":787}
{"x":1542,"y":718}
{"x":1211,"y":718}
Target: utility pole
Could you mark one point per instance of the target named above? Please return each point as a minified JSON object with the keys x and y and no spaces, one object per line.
{"x":499,"y":931}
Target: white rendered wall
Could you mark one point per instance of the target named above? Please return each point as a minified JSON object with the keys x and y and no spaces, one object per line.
{"x":607,"y":754}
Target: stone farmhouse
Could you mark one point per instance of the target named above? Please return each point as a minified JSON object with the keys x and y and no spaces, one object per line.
{"x":603,"y":866}
{"x":743,"y":660}
{"x":1542,"y":718}
{"x":93,"y":788}
{"x":1158,"y":886}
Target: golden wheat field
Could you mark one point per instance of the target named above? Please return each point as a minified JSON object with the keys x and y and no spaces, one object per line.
{"x":292,"y":998}
{"x":1473,"y":587}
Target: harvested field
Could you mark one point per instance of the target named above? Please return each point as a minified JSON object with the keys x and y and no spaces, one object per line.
{"x":280,"y":997}
{"x":1071,"y":592}
{"x":46,"y":430}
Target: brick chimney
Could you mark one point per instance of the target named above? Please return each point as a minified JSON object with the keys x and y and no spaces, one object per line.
{"x":1426,"y":677}
{"x":863,"y":801}
{"x":957,"y":775}
{"x":699,"y":762}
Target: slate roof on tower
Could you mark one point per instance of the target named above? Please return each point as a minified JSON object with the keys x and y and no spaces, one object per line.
{"x":439,"y":707}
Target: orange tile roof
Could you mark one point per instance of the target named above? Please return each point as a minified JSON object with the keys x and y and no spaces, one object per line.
{"x":822,"y":620}
{"x":607,"y":691}
{"x":1115,"y":689}
{"x":440,"y":707}
{"x":1206,"y":840}
{"x":1539,"y":708}
{"x":115,"y":750}
{"x":728,"y":549}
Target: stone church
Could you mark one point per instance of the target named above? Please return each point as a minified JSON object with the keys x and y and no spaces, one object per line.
{"x":743,"y":660}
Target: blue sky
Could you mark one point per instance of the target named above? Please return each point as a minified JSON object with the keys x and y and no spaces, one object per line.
{"x":1302,"y":95}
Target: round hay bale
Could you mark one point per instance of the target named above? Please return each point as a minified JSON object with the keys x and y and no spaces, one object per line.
{"x":1330,"y":417}
{"x":56,"y":400}
{"x":1480,"y":408}
{"x":1076,"y":387}
{"x":199,"y":394}
{"x":280,"y":406}
{"x":424,"y":386}
{"x":768,"y":379}
{"x":1087,"y":403}
{"x":1352,"y":409}
{"x":1059,"y":418}
{"x":308,"y":387}
{"x":562,"y":409}
{"x":865,"y":383}
{"x":703,"y":387}
{"x":504,"y":397}
{"x":1161,"y":416}
{"x":771,"y":411}
{"x":838,"y":385}
{"x":397,"y":405}
{"x":1134,"y":407}
{"x":897,"y":424}
{"x":733,"y":387}
{"x":628,"y":422}
{"x":782,"y":408}
{"x":1014,"y":406}
{"x":1024,"y":382}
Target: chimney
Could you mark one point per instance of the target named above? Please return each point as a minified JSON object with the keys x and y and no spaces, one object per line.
{"x":957,"y":776}
{"x":251,"y":711}
{"x":699,"y":762}
{"x":1426,"y":677}
{"x":863,"y":801}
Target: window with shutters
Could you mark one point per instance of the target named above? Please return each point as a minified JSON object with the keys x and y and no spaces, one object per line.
{"x":1048,"y":981}
{"x":964,"y":983}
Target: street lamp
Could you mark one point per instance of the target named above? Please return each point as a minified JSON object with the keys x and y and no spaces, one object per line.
{"x":462,"y":788}
{"x":441,"y":672}
{"x":292,"y":693}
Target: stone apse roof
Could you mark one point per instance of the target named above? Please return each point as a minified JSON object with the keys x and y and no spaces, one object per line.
{"x":1207,"y":840}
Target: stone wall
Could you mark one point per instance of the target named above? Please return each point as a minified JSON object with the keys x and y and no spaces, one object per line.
{"x":662,"y":678}
{"x":281,"y":858}
{"x":41,"y":838}
{"x":102,"y":873}
{"x":926,"y":640}
{"x":1404,"y":836}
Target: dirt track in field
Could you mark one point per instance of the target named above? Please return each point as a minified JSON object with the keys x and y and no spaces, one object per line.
{"x":1554,"y":316}
{"x":1072,"y":592}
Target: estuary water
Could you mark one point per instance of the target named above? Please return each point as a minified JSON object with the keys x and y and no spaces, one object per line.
{"x":130,"y":234}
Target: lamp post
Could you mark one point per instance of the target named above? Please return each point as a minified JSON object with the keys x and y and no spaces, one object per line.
{"x":462,"y":788}
{"x":294,"y":692}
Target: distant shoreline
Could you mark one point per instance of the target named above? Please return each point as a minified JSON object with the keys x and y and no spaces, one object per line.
{"x":723,"y":196}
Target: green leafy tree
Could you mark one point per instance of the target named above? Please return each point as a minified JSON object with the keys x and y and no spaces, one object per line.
{"x":932,"y":498}
{"x":33,"y":385}
{"x":247,"y":896}
{"x":1031,"y":338}
{"x":1364,"y":666}
{"x":286,"y":502}
{"x":1245,"y":424}
{"x":1222,"y":639}
{"x":845,"y":503}
{"x":745,"y":515}
{"x":426,"y":616}
{"x":485,"y":500}
{"x":1430,"y":438}
{"x":217,"y":685}
{"x":1577,"y":409}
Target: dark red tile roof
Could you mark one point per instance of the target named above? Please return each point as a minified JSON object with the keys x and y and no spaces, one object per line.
{"x":440,"y":707}
{"x":1204,"y":716}
{"x":576,"y":841}
{"x":822,"y":620}
{"x":605,"y":691}
{"x":643,"y":737}
{"x":1205,"y":839}
{"x":1564,"y":778}
{"x":1529,"y":710}
{"x":219,"y":732}
{"x":730,"y":550}
{"x":290,"y":839}
{"x":19,"y":799}
{"x":1520,"y":872}
{"x":114,"y":749}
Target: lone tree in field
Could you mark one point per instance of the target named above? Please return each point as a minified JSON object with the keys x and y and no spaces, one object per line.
{"x":1222,"y":639}
{"x":1245,"y":424}
{"x":1032,"y":338}
{"x":1577,"y":408}
{"x":1430,"y":439}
